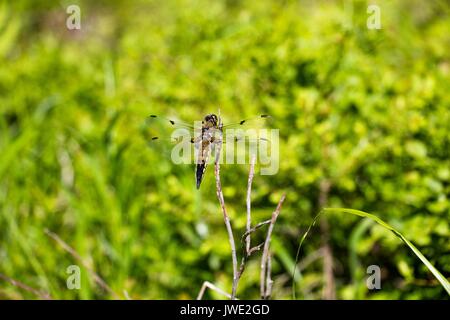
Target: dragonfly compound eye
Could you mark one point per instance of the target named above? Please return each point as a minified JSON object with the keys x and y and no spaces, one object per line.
{"x":211,"y":118}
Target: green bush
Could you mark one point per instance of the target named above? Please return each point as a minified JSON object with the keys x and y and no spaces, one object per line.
{"x":367,"y":111}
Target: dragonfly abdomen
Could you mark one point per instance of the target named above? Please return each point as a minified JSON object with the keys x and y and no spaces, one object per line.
{"x":202,"y":161}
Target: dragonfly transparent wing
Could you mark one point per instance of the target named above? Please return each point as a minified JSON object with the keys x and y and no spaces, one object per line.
{"x":259,"y":121}
{"x":239,"y":149}
{"x":172,"y":138}
{"x":179,"y":148}
{"x":250,"y":129}
{"x":246,"y":138}
{"x":154,"y":120}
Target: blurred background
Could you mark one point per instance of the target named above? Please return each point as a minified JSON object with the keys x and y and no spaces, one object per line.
{"x":364,"y":123}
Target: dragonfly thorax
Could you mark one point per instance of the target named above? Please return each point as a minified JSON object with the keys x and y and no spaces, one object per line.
{"x":210,"y":121}
{"x":211,"y":135}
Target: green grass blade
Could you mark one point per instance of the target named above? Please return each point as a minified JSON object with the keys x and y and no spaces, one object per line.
{"x":416,"y":251}
{"x":298,"y":252}
{"x":444,"y":282}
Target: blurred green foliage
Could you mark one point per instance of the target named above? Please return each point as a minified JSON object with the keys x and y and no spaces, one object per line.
{"x":364,"y":110}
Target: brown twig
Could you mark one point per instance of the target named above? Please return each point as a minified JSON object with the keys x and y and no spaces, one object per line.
{"x":259,"y":225}
{"x":18,"y":284}
{"x":269,"y":281}
{"x":126,"y":295}
{"x":226,"y":219}
{"x":249,"y":201}
{"x":255,"y":248}
{"x":77,"y":257}
{"x":248,"y":251}
{"x":266,"y":288}
{"x":211,"y":286}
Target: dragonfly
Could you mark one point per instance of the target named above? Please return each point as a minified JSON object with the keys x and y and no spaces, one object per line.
{"x":206,"y":136}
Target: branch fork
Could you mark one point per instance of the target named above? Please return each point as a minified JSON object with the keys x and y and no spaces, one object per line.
{"x":248,"y":250}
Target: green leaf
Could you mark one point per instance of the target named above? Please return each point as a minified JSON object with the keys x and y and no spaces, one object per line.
{"x":416,"y":251}
{"x":444,"y":282}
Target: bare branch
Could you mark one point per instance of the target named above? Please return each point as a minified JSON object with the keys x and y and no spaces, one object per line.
{"x":126,"y":295}
{"x":249,"y":201}
{"x":18,"y":284}
{"x":265,"y":288}
{"x":248,"y":250}
{"x":77,"y":257}
{"x":266,"y":281}
{"x":211,"y":286}
{"x":226,"y":219}
{"x":269,"y":281}
{"x":259,"y":225}
{"x":256,"y":248}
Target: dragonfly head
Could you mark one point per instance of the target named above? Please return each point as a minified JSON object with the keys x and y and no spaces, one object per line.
{"x":210,"y":121}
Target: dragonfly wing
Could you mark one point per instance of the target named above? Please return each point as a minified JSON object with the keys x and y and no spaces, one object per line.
{"x":239,"y":147}
{"x":180,"y":145}
{"x":169,"y":134}
{"x":253,"y":122}
{"x":157,"y":120}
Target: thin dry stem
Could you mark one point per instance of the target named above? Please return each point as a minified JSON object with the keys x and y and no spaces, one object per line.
{"x":266,"y":287}
{"x":255,"y":248}
{"x":269,"y":281}
{"x":259,"y":225}
{"x":18,"y":284}
{"x":211,"y":286}
{"x":249,"y":201}
{"x":248,"y":249}
{"x":226,"y":219}
{"x":77,"y":257}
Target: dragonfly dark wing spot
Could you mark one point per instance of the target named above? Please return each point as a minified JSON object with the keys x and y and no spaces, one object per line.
{"x":155,"y":116}
{"x":257,"y":121}
{"x":155,"y":119}
{"x":155,"y":138}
